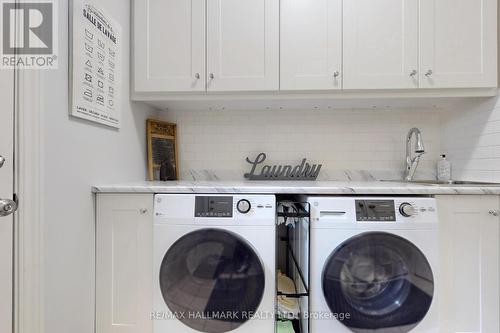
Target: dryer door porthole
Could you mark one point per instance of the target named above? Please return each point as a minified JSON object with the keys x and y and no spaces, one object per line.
{"x":378,"y":280}
{"x":212,"y":280}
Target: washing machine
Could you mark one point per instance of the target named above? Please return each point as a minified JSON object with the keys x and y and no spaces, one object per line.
{"x":214,"y":263}
{"x":374,"y":264}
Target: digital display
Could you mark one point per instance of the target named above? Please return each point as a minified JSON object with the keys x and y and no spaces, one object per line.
{"x":210,"y":206}
{"x":375,"y":211}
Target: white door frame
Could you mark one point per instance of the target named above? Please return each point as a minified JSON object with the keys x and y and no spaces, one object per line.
{"x":6,"y":193}
{"x":28,"y":221}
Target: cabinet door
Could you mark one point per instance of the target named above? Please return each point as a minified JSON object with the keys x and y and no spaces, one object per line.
{"x":458,"y":43}
{"x":468,"y":287}
{"x":124,"y":261}
{"x":311,"y":45}
{"x":169,"y":45}
{"x":380,"y":44}
{"x":242,"y":45}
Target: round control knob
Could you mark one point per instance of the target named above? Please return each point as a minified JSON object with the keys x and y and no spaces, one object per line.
{"x":243,"y":206}
{"x":406,"y":209}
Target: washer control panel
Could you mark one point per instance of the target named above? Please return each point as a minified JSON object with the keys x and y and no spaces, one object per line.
{"x":388,"y":210}
{"x":371,"y":210}
{"x":376,"y":211}
{"x":406,"y":209}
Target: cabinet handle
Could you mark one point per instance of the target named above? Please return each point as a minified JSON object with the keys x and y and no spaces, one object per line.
{"x":428,"y":73}
{"x":336,"y":74}
{"x":143,"y":211}
{"x":413,"y":73}
{"x":211,"y":76}
{"x":494,"y":212}
{"x":197,"y":76}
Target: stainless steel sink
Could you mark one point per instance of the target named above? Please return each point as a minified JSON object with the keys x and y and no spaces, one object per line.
{"x":446,"y":183}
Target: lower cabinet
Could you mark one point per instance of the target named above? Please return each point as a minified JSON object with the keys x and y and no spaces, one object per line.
{"x":124,"y":231}
{"x":469,"y":268}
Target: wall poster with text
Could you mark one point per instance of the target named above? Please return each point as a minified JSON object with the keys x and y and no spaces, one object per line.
{"x":95,"y":57}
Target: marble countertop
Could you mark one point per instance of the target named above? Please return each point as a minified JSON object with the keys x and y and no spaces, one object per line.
{"x":295,"y":187}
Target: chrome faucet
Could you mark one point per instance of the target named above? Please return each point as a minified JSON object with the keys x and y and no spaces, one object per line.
{"x":419,"y":150}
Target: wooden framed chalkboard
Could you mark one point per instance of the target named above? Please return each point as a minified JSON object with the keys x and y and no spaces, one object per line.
{"x":162,"y":150}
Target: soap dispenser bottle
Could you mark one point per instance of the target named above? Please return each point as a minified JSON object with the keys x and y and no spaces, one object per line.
{"x":444,"y":169}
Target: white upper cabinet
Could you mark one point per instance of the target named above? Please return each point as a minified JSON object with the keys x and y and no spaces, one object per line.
{"x":311,"y":45}
{"x":458,"y":43}
{"x":242,"y":45}
{"x":380,"y":44}
{"x":230,"y":46}
{"x":169,"y":45}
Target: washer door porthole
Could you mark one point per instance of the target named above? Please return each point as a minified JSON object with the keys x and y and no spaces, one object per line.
{"x":214,"y":278}
{"x":381,"y":280}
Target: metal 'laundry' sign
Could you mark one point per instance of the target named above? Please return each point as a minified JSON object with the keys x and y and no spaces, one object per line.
{"x":302,"y":171}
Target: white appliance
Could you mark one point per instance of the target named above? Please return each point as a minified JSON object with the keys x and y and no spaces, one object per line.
{"x":214,"y":263}
{"x":374,"y":264}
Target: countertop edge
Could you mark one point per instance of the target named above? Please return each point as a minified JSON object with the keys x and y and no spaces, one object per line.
{"x":319,"y":188}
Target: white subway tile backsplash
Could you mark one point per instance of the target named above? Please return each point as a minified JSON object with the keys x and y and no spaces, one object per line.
{"x":471,"y":138}
{"x":371,"y":140}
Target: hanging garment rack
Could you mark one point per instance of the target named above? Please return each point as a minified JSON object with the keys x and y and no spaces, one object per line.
{"x":302,"y":211}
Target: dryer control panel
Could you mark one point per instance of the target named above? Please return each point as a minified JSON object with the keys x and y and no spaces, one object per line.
{"x":215,"y":209}
{"x":213,"y":206}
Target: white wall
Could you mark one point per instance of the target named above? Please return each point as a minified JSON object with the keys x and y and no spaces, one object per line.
{"x":340,"y":139}
{"x":78,"y":154}
{"x":471,"y":139}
